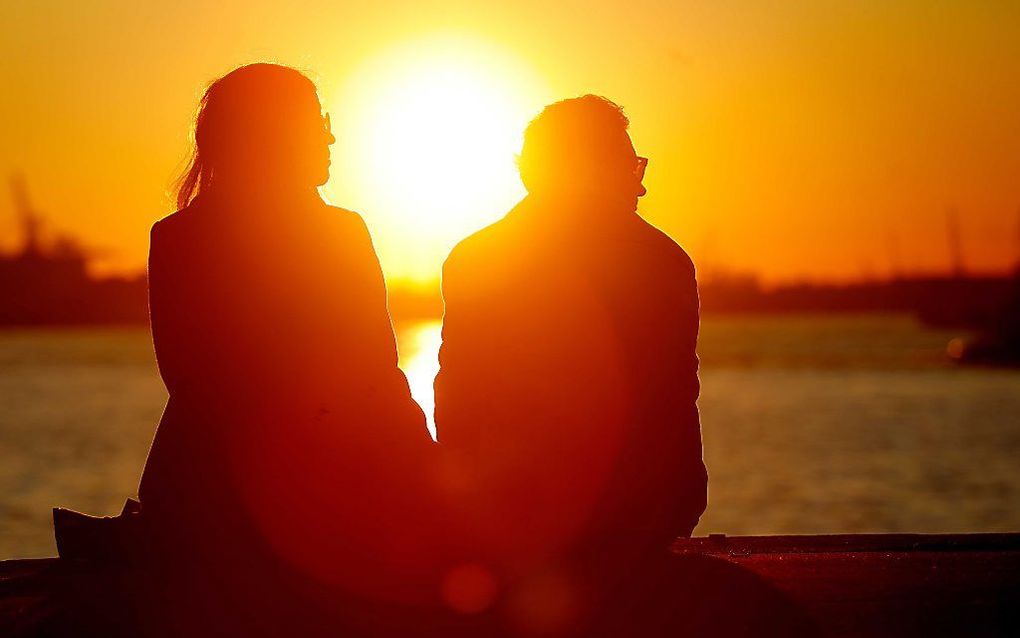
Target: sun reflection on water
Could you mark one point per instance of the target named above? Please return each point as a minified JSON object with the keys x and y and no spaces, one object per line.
{"x":418,"y":344}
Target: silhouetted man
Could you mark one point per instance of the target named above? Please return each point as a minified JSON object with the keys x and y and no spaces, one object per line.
{"x":566,"y":399}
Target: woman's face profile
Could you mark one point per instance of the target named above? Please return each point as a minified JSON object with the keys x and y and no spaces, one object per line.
{"x":260,"y":130}
{"x":297,"y":146}
{"x":263,"y":129}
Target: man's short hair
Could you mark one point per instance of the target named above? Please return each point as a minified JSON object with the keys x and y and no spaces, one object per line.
{"x":570,"y":133}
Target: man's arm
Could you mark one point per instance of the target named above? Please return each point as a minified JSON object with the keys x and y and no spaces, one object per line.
{"x":458,"y":385}
{"x":693,"y":478}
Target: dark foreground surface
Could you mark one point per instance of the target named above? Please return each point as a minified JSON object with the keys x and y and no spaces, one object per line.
{"x":852,"y":585}
{"x":887,"y":584}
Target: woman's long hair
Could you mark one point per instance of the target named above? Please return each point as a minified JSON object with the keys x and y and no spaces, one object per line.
{"x":236,"y":109}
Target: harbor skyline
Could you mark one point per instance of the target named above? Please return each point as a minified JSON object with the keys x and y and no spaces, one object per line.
{"x":798,"y":141}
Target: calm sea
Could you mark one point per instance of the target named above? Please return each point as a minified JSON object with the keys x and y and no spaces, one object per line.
{"x":811,"y":425}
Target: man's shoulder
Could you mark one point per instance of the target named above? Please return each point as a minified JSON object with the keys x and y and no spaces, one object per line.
{"x":662,"y":244}
{"x":482,"y":245}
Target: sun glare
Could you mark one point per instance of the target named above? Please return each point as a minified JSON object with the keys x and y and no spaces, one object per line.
{"x":427,"y":146}
{"x":419,"y":349}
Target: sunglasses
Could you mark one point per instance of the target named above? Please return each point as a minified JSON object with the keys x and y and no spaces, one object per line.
{"x":639,"y":168}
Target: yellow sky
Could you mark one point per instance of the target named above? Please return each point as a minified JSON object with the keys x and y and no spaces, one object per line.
{"x":791,"y":139}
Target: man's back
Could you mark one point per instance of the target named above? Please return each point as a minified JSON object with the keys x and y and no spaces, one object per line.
{"x":566,"y":399}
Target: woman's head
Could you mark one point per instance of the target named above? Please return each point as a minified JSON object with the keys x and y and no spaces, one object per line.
{"x":258,"y":127}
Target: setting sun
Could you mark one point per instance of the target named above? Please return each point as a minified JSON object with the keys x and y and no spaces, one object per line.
{"x":427,"y":146}
{"x":334,"y":317}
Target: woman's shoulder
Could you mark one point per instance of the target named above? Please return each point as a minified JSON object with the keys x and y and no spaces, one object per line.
{"x":345,"y":221}
{"x":165,"y":230}
{"x":185,"y":221}
{"x":344,"y":216}
{"x":656,"y":241}
{"x":174,"y":222}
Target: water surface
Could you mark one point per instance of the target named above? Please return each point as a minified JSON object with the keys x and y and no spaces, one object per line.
{"x":811,"y":425}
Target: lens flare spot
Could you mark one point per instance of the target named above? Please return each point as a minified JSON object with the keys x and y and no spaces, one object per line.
{"x":469,"y":589}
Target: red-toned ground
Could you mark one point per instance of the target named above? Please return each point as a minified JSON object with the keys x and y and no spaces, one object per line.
{"x":852,"y":585}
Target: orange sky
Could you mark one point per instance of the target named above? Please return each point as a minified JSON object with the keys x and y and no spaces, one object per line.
{"x":800,"y":139}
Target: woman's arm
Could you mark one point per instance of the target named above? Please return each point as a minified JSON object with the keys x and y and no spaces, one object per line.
{"x":191,"y":354}
{"x":380,"y":341}
{"x":166,"y":311}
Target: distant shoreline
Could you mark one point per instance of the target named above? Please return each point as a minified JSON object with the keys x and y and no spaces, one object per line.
{"x":37,"y":300}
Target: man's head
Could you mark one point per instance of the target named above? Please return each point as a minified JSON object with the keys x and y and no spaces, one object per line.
{"x":579,"y":150}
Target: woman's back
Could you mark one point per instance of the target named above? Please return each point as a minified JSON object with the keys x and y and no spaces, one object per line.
{"x":259,"y":308}
{"x":286,"y":403}
{"x":289,"y":433}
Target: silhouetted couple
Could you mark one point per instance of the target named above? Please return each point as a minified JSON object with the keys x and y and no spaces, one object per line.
{"x":292,"y":478}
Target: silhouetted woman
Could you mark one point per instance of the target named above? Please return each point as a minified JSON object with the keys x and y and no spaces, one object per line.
{"x":290,"y":438}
